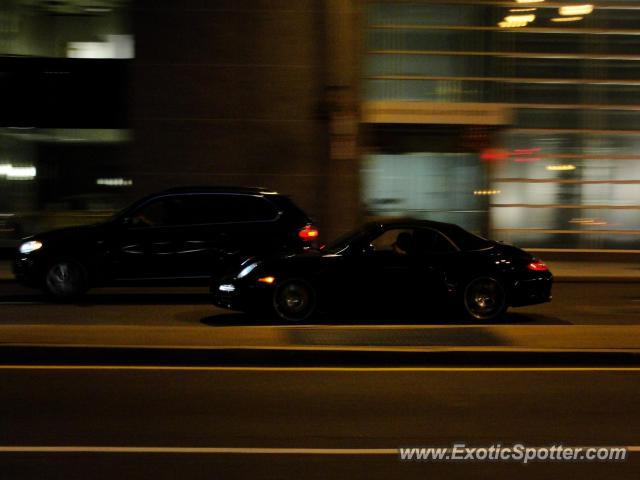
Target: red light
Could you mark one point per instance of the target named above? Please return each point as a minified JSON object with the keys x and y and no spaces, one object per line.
{"x":537,"y":267}
{"x":494,"y":154}
{"x":308,"y":233}
{"x":526,"y":151}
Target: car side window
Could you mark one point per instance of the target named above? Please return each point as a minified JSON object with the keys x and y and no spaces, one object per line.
{"x":395,"y":241}
{"x":203,"y":209}
{"x":169,"y":211}
{"x":194,"y":210}
{"x":246,"y":208}
{"x":432,"y":241}
{"x":151,"y":214}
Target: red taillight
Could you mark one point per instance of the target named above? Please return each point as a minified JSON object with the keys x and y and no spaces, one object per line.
{"x":537,"y":267}
{"x":308,"y":233}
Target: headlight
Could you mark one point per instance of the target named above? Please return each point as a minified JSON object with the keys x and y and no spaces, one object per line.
{"x":31,"y":246}
{"x":247,"y":270}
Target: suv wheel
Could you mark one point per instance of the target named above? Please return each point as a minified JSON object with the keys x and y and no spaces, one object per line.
{"x":65,"y":279}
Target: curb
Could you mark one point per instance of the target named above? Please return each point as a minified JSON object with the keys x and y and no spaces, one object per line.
{"x":106,"y":356}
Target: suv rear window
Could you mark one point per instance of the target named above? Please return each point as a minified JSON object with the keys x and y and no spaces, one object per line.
{"x":291,"y":209}
{"x":246,"y":208}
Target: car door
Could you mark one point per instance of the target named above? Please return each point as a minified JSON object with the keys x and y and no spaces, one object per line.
{"x":223,"y":228}
{"x":386,"y":272}
{"x":434,"y":256}
{"x":143,"y":244}
{"x":177,"y":236}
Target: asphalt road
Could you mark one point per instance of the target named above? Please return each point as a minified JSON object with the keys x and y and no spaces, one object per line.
{"x":573,"y":303}
{"x":328,"y":411}
{"x":347,"y":421}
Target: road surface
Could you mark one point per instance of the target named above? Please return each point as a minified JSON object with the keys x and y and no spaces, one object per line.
{"x":306,"y":423}
{"x":573,"y":303}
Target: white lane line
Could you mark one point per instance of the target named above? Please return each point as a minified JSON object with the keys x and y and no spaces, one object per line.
{"x":220,"y":450}
{"x":207,"y":450}
{"x":319,"y":369}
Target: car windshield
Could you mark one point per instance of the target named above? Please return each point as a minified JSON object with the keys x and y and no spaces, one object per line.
{"x":345,"y":240}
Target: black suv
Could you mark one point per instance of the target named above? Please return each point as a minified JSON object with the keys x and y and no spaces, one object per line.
{"x":175,"y":236}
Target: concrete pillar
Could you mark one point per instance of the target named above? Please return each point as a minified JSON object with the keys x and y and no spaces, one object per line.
{"x":342,"y":100}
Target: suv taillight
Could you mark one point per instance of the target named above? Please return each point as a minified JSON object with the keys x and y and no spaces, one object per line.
{"x":308,"y":233}
{"x":537,"y":266}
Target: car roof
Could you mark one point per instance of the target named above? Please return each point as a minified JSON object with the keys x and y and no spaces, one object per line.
{"x":218,"y":189}
{"x":410,"y":222}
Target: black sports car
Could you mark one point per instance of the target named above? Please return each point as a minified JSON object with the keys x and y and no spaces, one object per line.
{"x":402,"y":265}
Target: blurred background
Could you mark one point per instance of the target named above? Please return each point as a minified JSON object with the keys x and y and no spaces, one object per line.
{"x":519,"y":120}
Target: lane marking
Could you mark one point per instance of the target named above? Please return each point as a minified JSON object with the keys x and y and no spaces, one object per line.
{"x":220,"y":450}
{"x":319,"y":369}
{"x":207,"y":450}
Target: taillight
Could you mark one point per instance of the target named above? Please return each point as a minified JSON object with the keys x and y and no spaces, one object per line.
{"x":308,"y":233}
{"x":537,"y":266}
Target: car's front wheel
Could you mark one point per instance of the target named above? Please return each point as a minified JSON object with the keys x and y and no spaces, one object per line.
{"x":66,"y":279}
{"x":484,"y":299}
{"x":294,"y":300}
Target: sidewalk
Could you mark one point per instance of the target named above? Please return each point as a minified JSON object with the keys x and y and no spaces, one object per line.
{"x":567,"y":271}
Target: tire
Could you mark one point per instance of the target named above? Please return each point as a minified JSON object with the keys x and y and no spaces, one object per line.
{"x":66,"y":279}
{"x":294,"y":300}
{"x":484,"y":299}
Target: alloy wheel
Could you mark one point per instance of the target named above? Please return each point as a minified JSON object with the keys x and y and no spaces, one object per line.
{"x":294,"y":300}
{"x":484,"y":298}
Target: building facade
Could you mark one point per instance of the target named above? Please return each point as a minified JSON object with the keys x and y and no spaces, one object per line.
{"x":559,"y":167}
{"x":516,"y":119}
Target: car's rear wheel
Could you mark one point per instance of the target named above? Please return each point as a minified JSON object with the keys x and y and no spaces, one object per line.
{"x":66,"y":279}
{"x":484,"y":299}
{"x":294,"y":300}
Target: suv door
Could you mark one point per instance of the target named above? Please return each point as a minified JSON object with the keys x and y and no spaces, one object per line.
{"x":217,"y":228}
{"x":192,"y":235}
{"x":251,"y":226}
{"x":143,"y":245}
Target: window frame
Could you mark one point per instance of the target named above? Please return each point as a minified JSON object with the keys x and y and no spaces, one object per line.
{"x":277,"y":211}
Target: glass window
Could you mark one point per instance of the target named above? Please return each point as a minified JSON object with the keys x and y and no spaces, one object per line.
{"x":178,"y":210}
{"x":246,"y":208}
{"x":396,"y":241}
{"x":204,"y":209}
{"x":193,"y":210}
{"x":465,"y":241}
{"x":430,"y":241}
{"x":150,"y":215}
